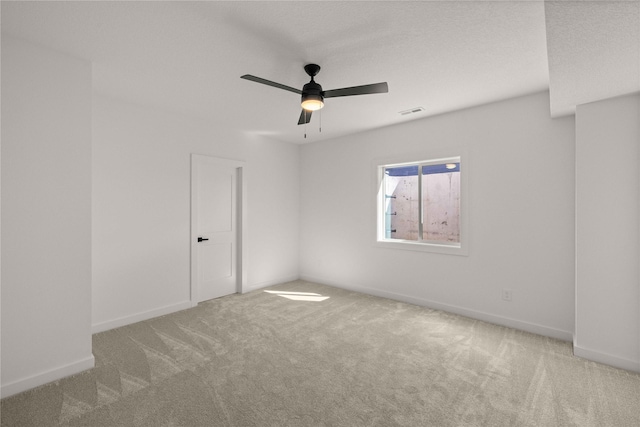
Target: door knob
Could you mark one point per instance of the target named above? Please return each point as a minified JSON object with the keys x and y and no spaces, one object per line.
{"x":200,"y":239}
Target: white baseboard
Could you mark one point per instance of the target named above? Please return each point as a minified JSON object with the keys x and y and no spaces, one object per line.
{"x":138,"y":317}
{"x":479,"y":315}
{"x":607,"y":359}
{"x":261,"y":285}
{"x":46,"y":377}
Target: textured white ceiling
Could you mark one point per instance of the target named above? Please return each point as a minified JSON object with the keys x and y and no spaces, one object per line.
{"x":594,"y":51}
{"x":188,"y":57}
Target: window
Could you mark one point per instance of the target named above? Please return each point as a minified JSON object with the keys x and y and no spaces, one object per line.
{"x":420,"y":205}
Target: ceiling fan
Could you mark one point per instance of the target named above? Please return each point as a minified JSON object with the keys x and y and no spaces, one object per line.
{"x":313,"y":95}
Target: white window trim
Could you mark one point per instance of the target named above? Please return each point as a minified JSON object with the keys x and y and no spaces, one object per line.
{"x":428,"y":156}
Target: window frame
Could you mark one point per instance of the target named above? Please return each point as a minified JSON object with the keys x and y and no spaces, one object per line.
{"x":422,"y":159}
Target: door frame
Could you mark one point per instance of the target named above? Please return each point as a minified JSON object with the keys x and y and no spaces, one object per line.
{"x":241,"y":222}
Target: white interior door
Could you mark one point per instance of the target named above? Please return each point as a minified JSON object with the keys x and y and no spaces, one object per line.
{"x":215,"y":208}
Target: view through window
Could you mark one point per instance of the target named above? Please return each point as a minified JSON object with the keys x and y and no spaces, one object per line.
{"x":422,"y":202}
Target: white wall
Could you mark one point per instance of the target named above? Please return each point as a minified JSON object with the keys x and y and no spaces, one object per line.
{"x":607,"y":235}
{"x":46,"y":216}
{"x":520,"y":166}
{"x":141,"y":208}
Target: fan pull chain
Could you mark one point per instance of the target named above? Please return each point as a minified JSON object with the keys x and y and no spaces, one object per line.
{"x":305,"y":124}
{"x":320,"y":128}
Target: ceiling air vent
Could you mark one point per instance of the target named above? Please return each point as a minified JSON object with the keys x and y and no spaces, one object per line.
{"x":411,"y":111}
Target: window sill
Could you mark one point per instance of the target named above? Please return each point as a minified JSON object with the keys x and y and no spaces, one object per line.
{"x":409,"y":245}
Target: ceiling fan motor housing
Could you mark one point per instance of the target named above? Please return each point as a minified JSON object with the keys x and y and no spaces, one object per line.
{"x":312,"y":91}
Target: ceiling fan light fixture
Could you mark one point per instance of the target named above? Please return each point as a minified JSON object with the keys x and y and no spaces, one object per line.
{"x":312,"y":102}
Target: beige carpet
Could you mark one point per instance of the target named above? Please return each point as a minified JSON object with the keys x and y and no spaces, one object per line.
{"x":263,"y":359}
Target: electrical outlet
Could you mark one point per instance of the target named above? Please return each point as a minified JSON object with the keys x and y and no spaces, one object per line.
{"x":506,"y":294}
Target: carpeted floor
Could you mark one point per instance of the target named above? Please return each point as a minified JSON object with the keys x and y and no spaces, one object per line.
{"x":264,"y":359}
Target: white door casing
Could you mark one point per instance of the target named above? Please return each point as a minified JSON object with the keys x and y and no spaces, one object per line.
{"x":216,"y":227}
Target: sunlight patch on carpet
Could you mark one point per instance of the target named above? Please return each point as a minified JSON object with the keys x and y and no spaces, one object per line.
{"x":300,"y":296}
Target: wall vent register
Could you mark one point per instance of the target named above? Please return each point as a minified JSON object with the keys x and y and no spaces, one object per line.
{"x":411,"y":111}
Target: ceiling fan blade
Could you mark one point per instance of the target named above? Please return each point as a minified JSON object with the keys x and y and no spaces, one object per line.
{"x":305,"y":117}
{"x":270,"y":83}
{"x":358,"y":90}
